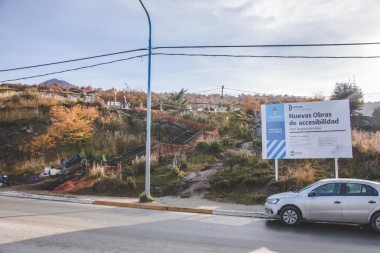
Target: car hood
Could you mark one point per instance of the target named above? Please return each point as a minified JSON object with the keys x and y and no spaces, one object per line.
{"x":284,"y":195}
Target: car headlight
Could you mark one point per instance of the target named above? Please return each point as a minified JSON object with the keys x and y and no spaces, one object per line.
{"x":272,"y":201}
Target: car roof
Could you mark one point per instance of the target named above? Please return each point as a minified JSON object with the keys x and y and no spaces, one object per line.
{"x":349,"y":180}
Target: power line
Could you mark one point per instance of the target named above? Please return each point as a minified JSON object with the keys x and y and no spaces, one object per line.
{"x":206,"y":90}
{"x":190,"y":55}
{"x":175,"y":54}
{"x":74,"y":60}
{"x":68,"y":70}
{"x":273,"y":45}
{"x":241,"y":90}
{"x":270,"y":56}
{"x":199,"y":47}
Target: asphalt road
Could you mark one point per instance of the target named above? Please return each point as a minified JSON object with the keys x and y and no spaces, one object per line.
{"x":45,"y":226}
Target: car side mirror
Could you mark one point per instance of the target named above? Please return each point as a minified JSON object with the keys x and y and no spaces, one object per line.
{"x":311,"y":194}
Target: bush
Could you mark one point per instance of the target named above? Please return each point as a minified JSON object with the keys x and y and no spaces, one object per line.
{"x":126,"y":173}
{"x":131,"y":183}
{"x":206,"y":147}
{"x":144,"y":199}
{"x":202,"y":147}
{"x":215,"y":148}
{"x":176,"y":171}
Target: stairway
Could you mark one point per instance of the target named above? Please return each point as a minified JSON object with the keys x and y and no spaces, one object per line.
{"x":128,"y":156}
{"x":186,"y":137}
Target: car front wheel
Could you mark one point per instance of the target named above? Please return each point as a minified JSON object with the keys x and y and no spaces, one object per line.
{"x":290,"y":216}
{"x":375,"y":222}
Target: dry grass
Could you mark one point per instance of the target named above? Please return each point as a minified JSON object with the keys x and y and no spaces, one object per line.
{"x":366,"y":141}
{"x":97,"y":171}
{"x":305,"y":173}
{"x":25,"y":105}
{"x":33,"y":166}
{"x":298,"y":177}
{"x":244,"y":153}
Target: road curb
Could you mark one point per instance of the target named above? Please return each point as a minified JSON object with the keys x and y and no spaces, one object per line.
{"x":240,"y":213}
{"x":154,"y":207}
{"x":46,"y":197}
{"x":136,"y":205}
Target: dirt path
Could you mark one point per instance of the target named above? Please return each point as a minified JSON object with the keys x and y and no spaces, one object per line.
{"x":198,"y":183}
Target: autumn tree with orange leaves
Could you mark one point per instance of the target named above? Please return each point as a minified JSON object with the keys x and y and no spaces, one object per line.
{"x":250,"y":105}
{"x":70,"y":126}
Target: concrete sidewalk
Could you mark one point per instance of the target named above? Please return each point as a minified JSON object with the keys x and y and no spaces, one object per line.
{"x":176,"y":204}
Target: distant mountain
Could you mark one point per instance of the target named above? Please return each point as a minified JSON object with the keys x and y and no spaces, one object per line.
{"x":61,"y":82}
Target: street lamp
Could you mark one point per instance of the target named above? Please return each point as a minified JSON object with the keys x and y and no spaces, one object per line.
{"x":148,"y":112}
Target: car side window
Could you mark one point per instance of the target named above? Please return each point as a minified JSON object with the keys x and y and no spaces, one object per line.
{"x":331,"y":189}
{"x":355,"y":189}
{"x":368,"y":190}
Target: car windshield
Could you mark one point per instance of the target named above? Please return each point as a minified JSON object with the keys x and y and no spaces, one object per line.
{"x":307,"y":187}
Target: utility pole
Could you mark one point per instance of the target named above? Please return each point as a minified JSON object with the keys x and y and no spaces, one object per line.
{"x":221,"y":98}
{"x":114,"y":102}
{"x":148,"y":112}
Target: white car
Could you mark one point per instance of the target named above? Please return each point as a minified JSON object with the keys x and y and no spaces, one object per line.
{"x":330,"y":200}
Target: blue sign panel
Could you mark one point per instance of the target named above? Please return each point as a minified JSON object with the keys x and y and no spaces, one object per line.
{"x":275,"y":131}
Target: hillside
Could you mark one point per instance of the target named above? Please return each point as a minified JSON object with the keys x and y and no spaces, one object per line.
{"x":229,"y":168}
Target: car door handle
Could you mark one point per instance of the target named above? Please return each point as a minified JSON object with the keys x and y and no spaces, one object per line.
{"x":372,"y":202}
{"x":337,"y":202}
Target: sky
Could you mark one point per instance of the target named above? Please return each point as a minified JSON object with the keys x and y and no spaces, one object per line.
{"x":34,"y":32}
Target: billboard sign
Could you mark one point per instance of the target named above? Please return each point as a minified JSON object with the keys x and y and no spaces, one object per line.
{"x":306,"y":130}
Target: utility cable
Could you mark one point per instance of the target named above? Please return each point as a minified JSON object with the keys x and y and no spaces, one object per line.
{"x":270,"y":56}
{"x":206,"y":90}
{"x":68,"y":70}
{"x":74,"y":60}
{"x":195,"y":47}
{"x":274,"y":45}
{"x":196,"y":55}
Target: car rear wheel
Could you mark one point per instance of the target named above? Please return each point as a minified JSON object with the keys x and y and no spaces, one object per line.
{"x":375,"y":222}
{"x":290,"y":216}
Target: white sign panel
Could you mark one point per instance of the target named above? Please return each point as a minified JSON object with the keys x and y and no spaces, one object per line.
{"x":306,"y":130}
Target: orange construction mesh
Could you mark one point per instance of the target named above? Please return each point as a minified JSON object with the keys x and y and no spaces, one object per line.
{"x":73,"y":186}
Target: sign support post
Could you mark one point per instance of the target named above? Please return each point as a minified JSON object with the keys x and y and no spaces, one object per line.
{"x":336,"y":168}
{"x":276,"y":168}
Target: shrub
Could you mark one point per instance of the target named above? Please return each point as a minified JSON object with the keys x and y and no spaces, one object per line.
{"x":176,"y":171}
{"x":131,"y":183}
{"x":207,"y":147}
{"x":97,"y":171}
{"x":215,"y":148}
{"x":143,"y":198}
{"x":202,"y":147}
{"x":139,"y":165}
{"x":126,"y":173}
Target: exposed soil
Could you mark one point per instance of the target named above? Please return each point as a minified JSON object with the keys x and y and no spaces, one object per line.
{"x":198,"y":183}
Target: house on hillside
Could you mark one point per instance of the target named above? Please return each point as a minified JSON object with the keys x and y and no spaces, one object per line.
{"x":6,"y":90}
{"x":89,"y":97}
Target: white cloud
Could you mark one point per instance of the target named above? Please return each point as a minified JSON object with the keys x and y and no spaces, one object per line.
{"x":50,"y":31}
